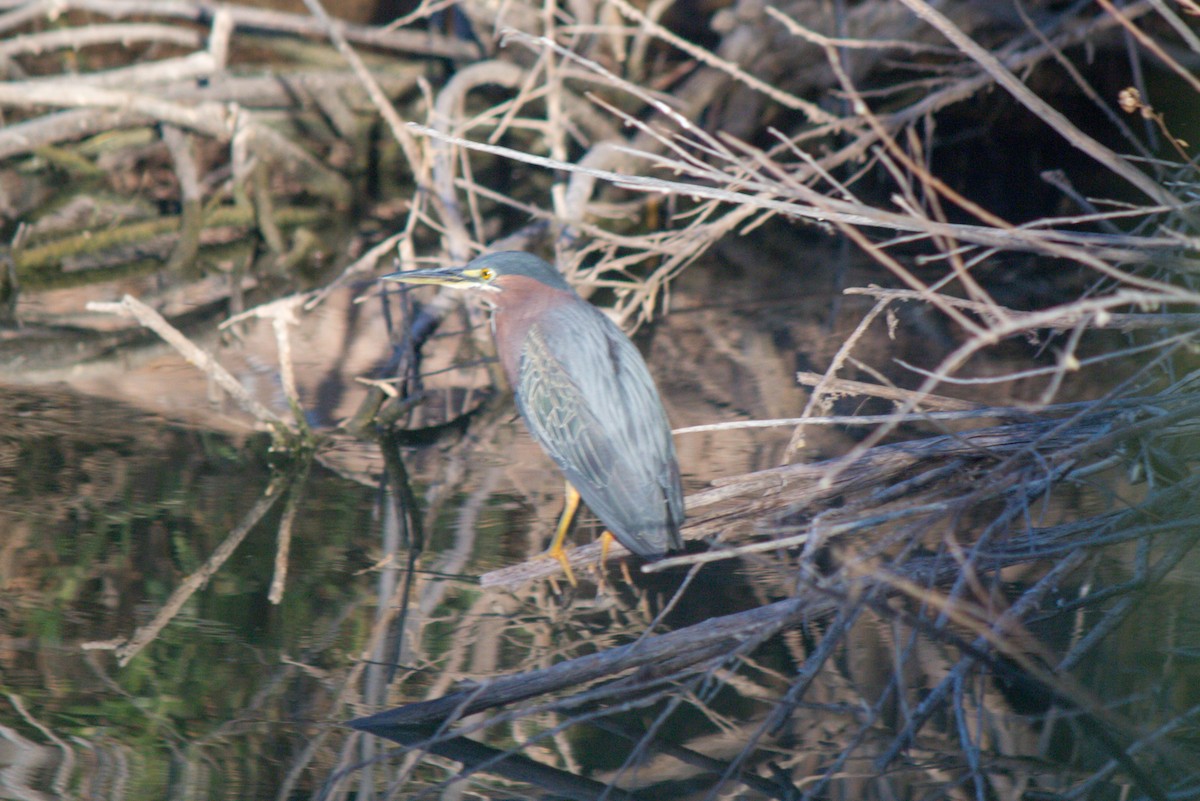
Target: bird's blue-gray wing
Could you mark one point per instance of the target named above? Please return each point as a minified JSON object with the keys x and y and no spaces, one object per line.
{"x":588,"y":399}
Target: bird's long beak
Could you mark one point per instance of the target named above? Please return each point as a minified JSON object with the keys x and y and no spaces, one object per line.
{"x":456,"y":277}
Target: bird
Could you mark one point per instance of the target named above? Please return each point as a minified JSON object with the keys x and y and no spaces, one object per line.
{"x":586,"y":396}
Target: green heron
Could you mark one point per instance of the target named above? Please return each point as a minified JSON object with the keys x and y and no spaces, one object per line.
{"x":586,"y":396}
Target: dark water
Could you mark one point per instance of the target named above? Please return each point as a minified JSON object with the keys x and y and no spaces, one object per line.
{"x":107,"y":509}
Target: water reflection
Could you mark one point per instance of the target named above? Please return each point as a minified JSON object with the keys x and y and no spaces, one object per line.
{"x":105,"y":509}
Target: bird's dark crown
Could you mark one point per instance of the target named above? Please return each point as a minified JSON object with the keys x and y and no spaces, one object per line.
{"x":516,"y":262}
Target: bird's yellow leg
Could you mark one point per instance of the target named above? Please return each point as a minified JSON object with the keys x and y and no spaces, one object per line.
{"x":606,"y":541}
{"x":556,"y":550}
{"x":625,"y":572}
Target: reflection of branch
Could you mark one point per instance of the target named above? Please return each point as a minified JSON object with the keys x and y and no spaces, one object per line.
{"x":146,"y":634}
{"x":66,"y":765}
{"x":474,"y":755}
{"x":429,"y":595}
{"x":283,"y":544}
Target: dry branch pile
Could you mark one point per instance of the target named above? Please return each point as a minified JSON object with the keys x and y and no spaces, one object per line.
{"x":945,"y":557}
{"x":891,"y":641}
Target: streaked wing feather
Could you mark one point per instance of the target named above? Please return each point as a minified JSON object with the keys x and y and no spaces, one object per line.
{"x":587,"y":397}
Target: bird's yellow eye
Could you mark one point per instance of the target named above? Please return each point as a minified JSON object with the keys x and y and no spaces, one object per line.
{"x":487,"y":273}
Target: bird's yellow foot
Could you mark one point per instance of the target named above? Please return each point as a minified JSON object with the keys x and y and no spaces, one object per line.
{"x":557,"y":551}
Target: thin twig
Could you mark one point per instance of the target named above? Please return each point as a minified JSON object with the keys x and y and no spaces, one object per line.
{"x":130,"y":306}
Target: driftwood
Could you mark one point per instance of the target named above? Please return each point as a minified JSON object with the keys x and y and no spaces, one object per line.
{"x":881,"y":476}
{"x":706,"y":646}
{"x":654,"y":656}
